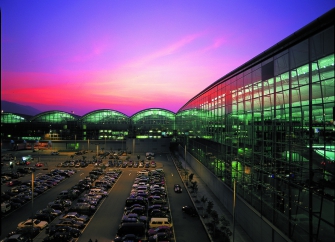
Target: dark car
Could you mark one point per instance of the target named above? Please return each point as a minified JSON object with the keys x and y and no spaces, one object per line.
{"x":134,"y":206}
{"x":18,"y":237}
{"x":157,"y":213}
{"x":131,"y":228}
{"x":132,"y":216}
{"x":177,"y":188}
{"x":43,"y":217}
{"x":15,"y":205}
{"x":57,"y":207}
{"x":53,"y":239}
{"x":27,"y":232}
{"x":127,"y":238}
{"x":158,"y":206}
{"x":190,"y":211}
{"x":158,"y":201}
{"x":161,"y":229}
{"x":60,"y":231}
{"x":18,"y":200}
{"x":161,"y":237}
{"x":137,"y":210}
{"x":83,"y":208}
{"x":4,"y":196}
{"x":71,"y":223}
{"x":126,"y":219}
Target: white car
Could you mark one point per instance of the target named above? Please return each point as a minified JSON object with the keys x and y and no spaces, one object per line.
{"x":76,"y":216}
{"x":33,"y":222}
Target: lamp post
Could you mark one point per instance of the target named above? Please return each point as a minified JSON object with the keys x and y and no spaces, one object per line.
{"x":88,"y":144}
{"x":185,"y":158}
{"x":122,"y":140}
{"x":234,"y":204}
{"x":32,"y":200}
{"x":75,"y":141}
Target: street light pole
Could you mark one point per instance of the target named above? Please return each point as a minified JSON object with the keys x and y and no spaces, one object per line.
{"x":32,"y":200}
{"x":32,"y":191}
{"x":185,"y":158}
{"x":234,"y":204}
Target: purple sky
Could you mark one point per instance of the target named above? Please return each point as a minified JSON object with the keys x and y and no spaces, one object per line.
{"x":132,"y":55}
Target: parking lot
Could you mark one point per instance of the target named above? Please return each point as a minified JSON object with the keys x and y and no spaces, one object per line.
{"x":105,"y":220}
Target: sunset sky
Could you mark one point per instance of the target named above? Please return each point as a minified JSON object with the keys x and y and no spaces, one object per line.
{"x":132,"y":55}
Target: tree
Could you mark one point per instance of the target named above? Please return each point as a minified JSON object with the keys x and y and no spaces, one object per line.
{"x":210,"y":206}
{"x":190,"y":177}
{"x":203,"y":200}
{"x":194,"y":186}
{"x":215,"y":220}
{"x":223,"y":226}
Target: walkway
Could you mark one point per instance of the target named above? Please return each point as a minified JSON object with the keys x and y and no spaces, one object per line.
{"x":203,"y":191}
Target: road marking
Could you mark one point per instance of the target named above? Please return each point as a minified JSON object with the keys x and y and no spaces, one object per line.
{"x":171,"y":174}
{"x":129,"y":173}
{"x":81,"y":174}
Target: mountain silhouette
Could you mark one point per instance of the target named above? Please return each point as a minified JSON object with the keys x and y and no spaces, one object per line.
{"x":10,"y":107}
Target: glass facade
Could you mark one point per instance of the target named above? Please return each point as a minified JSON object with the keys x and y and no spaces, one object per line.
{"x":270,"y":127}
{"x":153,"y":123}
{"x":104,"y":124}
{"x":10,"y":118}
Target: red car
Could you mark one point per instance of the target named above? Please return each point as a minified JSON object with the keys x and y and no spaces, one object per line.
{"x":14,"y":183}
{"x":39,"y":164}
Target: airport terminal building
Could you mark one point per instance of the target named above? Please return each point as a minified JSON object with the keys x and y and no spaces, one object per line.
{"x":264,"y":132}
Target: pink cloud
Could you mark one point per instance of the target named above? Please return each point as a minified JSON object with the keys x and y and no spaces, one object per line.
{"x":91,"y":49}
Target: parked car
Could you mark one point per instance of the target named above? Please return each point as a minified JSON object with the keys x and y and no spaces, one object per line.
{"x":137,"y":210}
{"x":18,"y":238}
{"x":160,"y":237}
{"x":14,"y":183}
{"x":157,"y":213}
{"x":33,"y":223}
{"x":58,"y":231}
{"x":27,"y":232}
{"x":51,"y":211}
{"x":161,"y":229}
{"x":127,"y":238}
{"x":72,"y":223}
{"x":134,"y":206}
{"x":76,"y":216}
